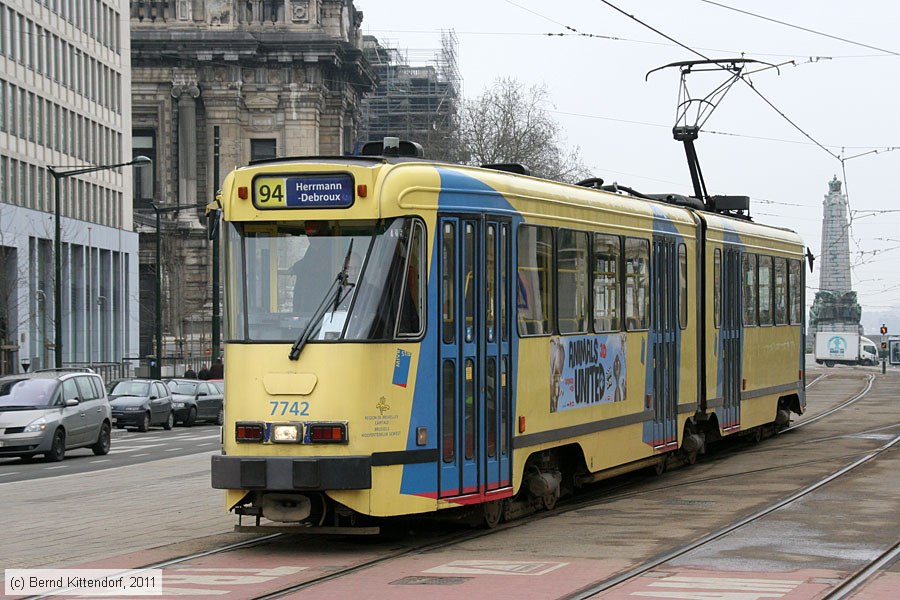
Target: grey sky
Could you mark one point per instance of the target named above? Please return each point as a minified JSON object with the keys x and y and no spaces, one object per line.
{"x":845,"y":99}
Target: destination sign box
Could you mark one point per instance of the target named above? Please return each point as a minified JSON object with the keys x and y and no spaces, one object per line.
{"x":308,"y":191}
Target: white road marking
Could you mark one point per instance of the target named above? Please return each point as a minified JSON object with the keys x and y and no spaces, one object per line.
{"x":721,"y":588}
{"x":496,"y":567}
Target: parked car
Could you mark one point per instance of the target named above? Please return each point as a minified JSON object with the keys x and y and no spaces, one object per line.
{"x":195,"y":400}
{"x":142,"y":403}
{"x":50,"y":412}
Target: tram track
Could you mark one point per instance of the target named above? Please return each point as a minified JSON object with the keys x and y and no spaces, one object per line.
{"x":865,"y":574}
{"x":649,"y":565}
{"x":603,"y":496}
{"x":870,"y":381}
{"x":582,"y":500}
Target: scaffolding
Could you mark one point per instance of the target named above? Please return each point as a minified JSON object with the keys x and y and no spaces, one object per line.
{"x":414,"y":102}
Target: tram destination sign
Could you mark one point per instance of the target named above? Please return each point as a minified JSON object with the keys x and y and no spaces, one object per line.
{"x":307,"y":191}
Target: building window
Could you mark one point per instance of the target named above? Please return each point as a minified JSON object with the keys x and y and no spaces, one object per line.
{"x":143,"y":143}
{"x":262,"y":148}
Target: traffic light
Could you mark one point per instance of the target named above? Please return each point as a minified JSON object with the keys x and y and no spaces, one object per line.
{"x":883,"y":329}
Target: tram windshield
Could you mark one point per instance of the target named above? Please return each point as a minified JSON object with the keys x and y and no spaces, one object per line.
{"x":279,"y":275}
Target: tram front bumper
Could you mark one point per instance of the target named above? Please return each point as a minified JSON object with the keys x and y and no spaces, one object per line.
{"x":291,"y":473}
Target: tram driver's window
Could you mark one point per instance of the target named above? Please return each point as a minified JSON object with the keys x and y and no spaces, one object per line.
{"x":535,"y":285}
{"x":637,"y":283}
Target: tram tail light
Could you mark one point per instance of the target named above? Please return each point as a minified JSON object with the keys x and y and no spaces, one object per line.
{"x":243,"y":192}
{"x":249,"y":432}
{"x":326,"y":433}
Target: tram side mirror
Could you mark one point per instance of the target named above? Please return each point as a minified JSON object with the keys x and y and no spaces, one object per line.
{"x":212,"y":223}
{"x":810,"y":259}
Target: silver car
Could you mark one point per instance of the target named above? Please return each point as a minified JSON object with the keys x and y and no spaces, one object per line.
{"x":51,"y":412}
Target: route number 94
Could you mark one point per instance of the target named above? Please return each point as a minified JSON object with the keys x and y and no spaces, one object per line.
{"x":269,"y":191}
{"x":298,"y":409}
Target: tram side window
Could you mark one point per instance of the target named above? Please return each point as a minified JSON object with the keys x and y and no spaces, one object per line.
{"x":637,"y":283}
{"x":765,"y":290}
{"x":607,"y":282}
{"x":572,"y":278}
{"x":717,"y":286}
{"x":534,"y":270}
{"x":448,"y":412}
{"x":748,"y":291}
{"x":448,"y":280}
{"x":795,"y":287}
{"x":412,"y":302}
{"x":682,"y":286}
{"x":780,"y":290}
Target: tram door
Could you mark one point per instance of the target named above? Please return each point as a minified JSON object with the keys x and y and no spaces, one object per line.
{"x":663,"y":340}
{"x":475,"y":389}
{"x":730,"y":353}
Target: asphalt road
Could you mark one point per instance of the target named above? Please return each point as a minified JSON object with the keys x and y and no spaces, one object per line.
{"x":128,"y":448}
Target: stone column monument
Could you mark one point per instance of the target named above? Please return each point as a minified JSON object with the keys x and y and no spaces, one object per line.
{"x":835,"y":307}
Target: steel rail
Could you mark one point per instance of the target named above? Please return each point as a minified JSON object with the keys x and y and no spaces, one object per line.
{"x":870,"y":381}
{"x":174,"y":561}
{"x":593,"y":590}
{"x":861,"y":576}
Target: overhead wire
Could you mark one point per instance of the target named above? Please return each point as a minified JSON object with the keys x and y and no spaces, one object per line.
{"x":801,"y":28}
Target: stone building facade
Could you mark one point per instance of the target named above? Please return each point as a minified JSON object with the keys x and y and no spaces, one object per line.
{"x":835,"y":307}
{"x":65,"y":101}
{"x":217,"y":83}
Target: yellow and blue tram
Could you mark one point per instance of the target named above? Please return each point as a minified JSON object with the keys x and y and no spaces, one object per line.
{"x":403,"y":337}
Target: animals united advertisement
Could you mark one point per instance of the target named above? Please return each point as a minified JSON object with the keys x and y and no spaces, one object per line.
{"x":586,"y":370}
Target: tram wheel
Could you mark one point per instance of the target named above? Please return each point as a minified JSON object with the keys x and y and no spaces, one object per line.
{"x":549,"y":501}
{"x":492,"y":512}
{"x":690,"y":457}
{"x":660,"y":467}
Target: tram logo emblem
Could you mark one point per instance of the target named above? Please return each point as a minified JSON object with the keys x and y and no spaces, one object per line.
{"x":401,"y":367}
{"x":382,"y":405}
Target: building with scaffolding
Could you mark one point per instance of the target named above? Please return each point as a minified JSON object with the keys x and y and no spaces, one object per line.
{"x":414,"y":102}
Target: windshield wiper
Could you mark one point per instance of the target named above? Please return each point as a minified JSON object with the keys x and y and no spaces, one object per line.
{"x":337,"y":285}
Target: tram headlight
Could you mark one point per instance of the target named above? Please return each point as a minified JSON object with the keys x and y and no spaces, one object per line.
{"x":286,"y":433}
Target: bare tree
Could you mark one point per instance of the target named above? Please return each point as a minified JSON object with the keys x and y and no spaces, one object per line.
{"x":510,"y":123}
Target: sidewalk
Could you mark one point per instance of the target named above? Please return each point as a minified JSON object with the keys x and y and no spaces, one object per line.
{"x":73,"y":519}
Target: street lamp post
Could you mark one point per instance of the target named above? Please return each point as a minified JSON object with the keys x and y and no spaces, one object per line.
{"x":157,"y":371}
{"x":57,"y":243}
